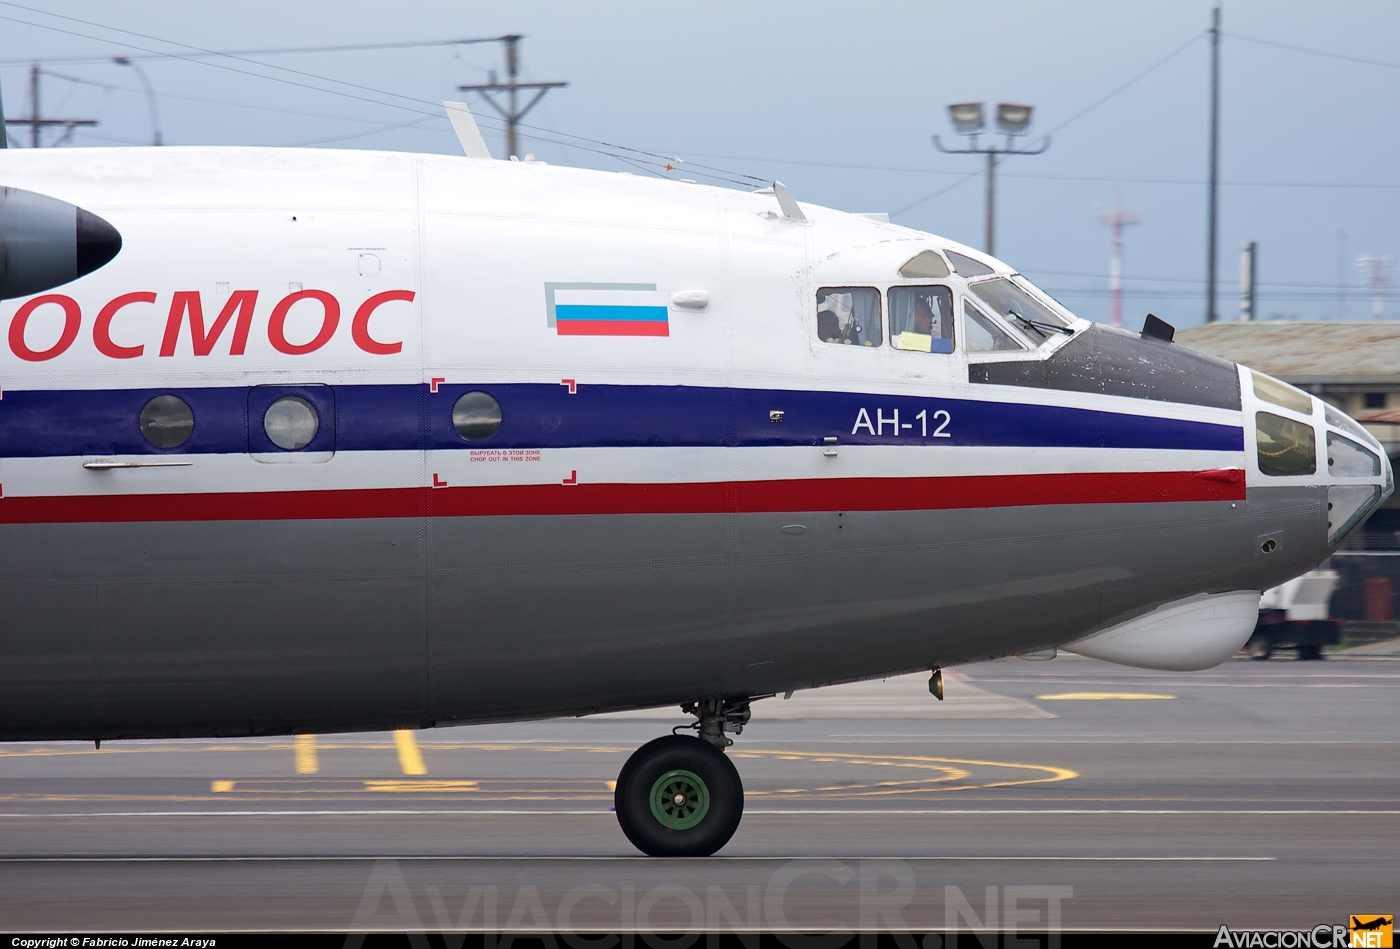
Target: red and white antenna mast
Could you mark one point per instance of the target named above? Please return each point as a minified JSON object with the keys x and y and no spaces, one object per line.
{"x":1117,"y":218}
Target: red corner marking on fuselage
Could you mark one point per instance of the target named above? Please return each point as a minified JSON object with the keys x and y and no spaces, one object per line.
{"x":438,"y":482}
{"x":573,"y":386}
{"x":572,"y":478}
{"x":433,"y":383}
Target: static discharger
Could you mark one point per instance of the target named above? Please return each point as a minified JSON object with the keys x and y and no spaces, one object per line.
{"x":935,"y":684}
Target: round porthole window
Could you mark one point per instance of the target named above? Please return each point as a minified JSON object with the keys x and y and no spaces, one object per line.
{"x":476,"y":416}
{"x":166,"y":421}
{"x":291,"y":422}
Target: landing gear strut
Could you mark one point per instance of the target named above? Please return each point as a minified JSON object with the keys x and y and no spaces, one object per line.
{"x":679,"y":796}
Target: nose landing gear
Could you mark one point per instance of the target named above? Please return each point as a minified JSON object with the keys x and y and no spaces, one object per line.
{"x":680,"y":796}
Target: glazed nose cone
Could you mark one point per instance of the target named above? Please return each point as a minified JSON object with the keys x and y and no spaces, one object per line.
{"x":1358,"y":473}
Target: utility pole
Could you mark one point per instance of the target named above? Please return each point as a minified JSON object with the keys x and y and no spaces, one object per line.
{"x":1116,"y":218}
{"x":512,"y":112}
{"x":991,"y":225}
{"x":1213,"y":212}
{"x":1013,"y":119}
{"x":1249,"y":260}
{"x":35,"y":119}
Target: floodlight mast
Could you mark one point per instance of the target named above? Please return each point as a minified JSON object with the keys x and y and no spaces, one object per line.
{"x":150,"y":95}
{"x":1013,"y":119}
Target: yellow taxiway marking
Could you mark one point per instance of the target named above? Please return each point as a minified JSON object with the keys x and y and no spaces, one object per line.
{"x":895,"y":776}
{"x":422,"y":787}
{"x":1099,"y":696}
{"x":939,"y":774}
{"x":410,"y":759}
{"x":307,"y":762}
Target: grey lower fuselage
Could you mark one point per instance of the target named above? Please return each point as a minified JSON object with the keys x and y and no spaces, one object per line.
{"x":229,"y":628}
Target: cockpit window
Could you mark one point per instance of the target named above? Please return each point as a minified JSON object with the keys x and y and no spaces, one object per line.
{"x":849,"y":315}
{"x":1281,"y":393}
{"x":921,"y":319}
{"x":1286,"y":447}
{"x":982,"y":334}
{"x":966,"y":266}
{"x":1033,"y":318}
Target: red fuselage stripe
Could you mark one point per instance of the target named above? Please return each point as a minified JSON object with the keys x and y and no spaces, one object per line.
{"x":824,"y":494}
{"x":613,"y":328}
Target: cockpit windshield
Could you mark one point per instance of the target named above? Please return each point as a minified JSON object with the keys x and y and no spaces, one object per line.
{"x":1020,"y":308}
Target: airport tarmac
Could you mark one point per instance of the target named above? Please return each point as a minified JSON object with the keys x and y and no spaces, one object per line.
{"x":1258,"y":795}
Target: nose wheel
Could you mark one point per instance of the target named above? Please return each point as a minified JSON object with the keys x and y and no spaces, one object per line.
{"x":679,"y":796}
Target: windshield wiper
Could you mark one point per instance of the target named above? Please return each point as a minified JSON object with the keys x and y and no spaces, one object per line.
{"x":1039,"y":326}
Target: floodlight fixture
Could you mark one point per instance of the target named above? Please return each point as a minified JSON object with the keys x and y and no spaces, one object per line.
{"x":1013,"y":118}
{"x":967,"y":117}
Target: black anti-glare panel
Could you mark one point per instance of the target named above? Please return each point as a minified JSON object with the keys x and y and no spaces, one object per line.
{"x":1114,"y":362}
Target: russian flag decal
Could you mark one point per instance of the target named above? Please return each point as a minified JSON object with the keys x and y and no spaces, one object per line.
{"x":606,"y":309}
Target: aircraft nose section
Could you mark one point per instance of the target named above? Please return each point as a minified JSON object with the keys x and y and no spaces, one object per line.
{"x":1302,"y":440}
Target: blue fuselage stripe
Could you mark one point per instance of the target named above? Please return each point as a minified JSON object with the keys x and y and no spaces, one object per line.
{"x":571,"y":311}
{"x":410,"y":417}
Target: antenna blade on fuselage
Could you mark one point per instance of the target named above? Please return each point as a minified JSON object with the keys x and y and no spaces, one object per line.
{"x":464,"y":124}
{"x":788,"y":203}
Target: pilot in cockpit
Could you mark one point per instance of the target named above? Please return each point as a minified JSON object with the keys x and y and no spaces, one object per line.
{"x":918,"y":316}
{"x":923,"y":318}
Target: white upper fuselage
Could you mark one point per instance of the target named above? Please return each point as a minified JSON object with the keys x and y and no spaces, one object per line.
{"x":477,"y":244}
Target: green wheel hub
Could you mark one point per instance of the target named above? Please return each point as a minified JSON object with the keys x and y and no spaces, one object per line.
{"x":679,"y":799}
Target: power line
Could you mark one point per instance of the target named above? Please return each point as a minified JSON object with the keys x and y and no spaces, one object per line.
{"x":930,"y":197}
{"x":278,"y":51}
{"x":1314,"y":52}
{"x":1193,"y":281}
{"x":113,"y":87}
{"x":224,"y":66}
{"x":1192,"y":182}
{"x":1142,"y":75}
{"x":433,"y":109}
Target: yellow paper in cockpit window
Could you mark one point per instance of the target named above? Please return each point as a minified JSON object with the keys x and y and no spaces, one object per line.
{"x":920,"y":342}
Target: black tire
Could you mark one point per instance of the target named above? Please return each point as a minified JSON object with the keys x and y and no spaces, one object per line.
{"x":679,"y":755}
{"x":1310,"y":652}
{"x":1261,"y":650}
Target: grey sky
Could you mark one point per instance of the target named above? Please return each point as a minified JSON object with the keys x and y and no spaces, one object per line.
{"x":838,"y":100}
